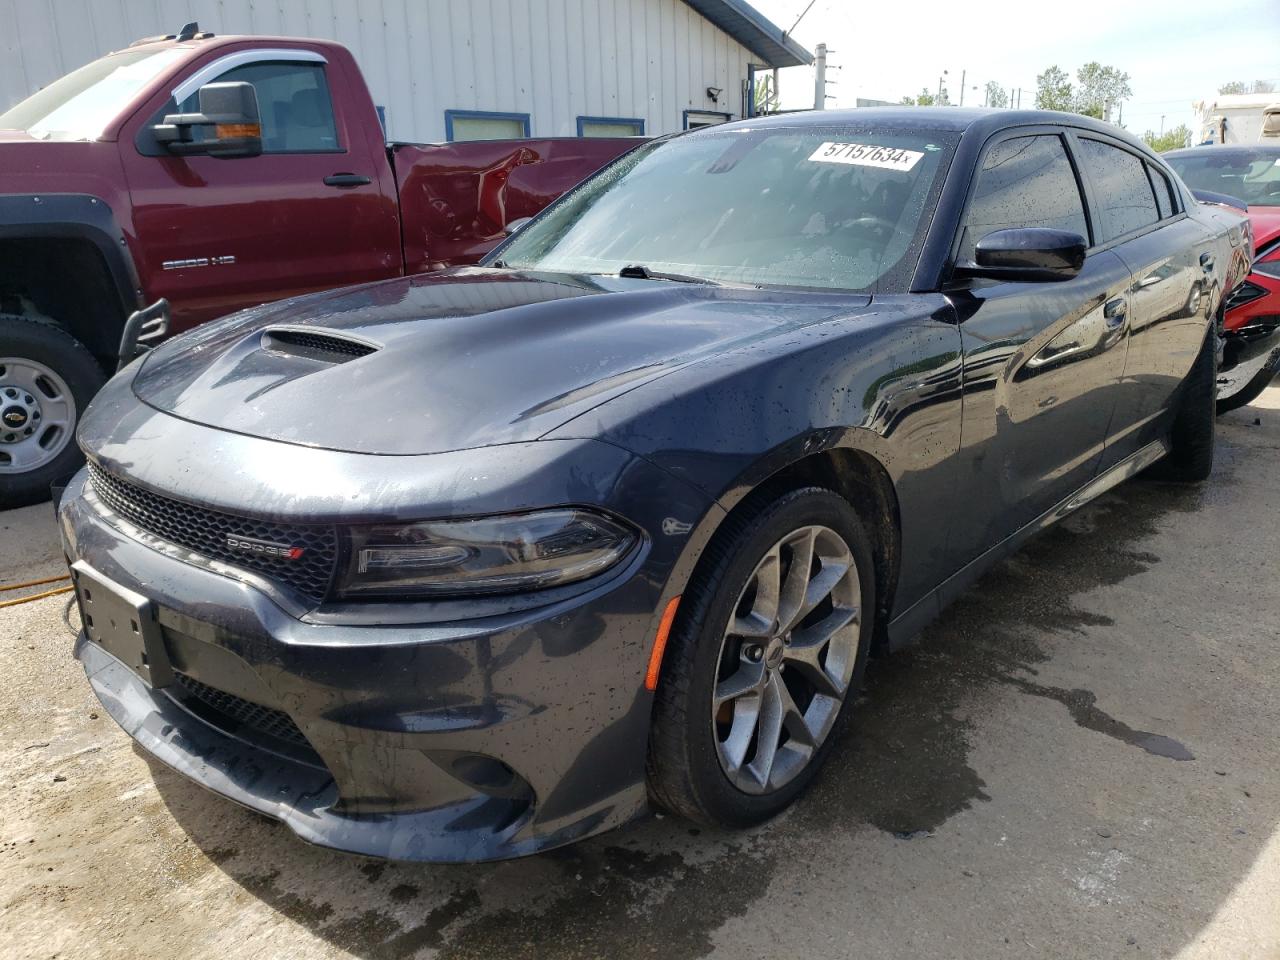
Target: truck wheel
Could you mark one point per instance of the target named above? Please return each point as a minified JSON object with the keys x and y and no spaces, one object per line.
{"x":46,"y":379}
{"x":767,"y":654}
{"x":1190,"y":458}
{"x":1241,"y":387}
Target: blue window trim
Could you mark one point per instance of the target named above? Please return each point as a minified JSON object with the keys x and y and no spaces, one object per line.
{"x":451,"y":115}
{"x":714,"y":113}
{"x":636,"y":122}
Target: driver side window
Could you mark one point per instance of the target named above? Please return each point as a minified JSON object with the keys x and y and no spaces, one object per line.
{"x":1024,"y":182}
{"x":293,"y":102}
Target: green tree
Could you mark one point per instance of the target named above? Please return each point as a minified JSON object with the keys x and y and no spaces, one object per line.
{"x":1099,"y":86}
{"x":926,"y":99}
{"x":766,"y":98}
{"x":997,"y":96}
{"x":1239,"y":86}
{"x":1053,"y":90}
{"x":1174,"y":139}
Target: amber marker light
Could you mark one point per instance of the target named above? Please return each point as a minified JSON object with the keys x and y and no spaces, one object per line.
{"x":660,"y":643}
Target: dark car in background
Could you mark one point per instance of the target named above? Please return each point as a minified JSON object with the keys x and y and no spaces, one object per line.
{"x":1251,"y":329}
{"x":471,"y":565}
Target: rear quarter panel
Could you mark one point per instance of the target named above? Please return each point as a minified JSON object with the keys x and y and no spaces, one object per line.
{"x":456,"y":199}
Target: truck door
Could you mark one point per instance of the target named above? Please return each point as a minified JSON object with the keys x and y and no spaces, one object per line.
{"x":216,"y":235}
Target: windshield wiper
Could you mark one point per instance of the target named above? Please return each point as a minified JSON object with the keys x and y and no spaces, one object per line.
{"x":639,"y":271}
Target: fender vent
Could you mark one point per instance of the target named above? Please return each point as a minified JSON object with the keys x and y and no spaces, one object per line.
{"x":316,"y":346}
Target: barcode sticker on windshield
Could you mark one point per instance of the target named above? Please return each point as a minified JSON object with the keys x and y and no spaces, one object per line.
{"x":866,"y":155}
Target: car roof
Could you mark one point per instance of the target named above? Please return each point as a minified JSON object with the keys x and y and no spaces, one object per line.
{"x":977,"y":120}
{"x":1234,"y":149}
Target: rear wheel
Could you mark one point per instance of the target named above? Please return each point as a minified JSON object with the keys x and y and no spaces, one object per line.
{"x":46,"y":379}
{"x":1243,"y":384}
{"x":768,"y":650}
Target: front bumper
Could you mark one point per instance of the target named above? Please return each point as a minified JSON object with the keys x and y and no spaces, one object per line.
{"x":453,"y":740}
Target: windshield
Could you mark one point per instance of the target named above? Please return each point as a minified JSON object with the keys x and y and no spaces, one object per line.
{"x":843,"y":208}
{"x":1249,"y":175}
{"x":79,"y":105}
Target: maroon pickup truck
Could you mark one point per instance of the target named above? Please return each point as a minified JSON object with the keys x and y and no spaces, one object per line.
{"x":218,"y":173}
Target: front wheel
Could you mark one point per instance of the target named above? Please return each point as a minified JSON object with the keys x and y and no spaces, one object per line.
{"x":47,"y":377}
{"x":768,"y":649}
{"x":1243,"y":384}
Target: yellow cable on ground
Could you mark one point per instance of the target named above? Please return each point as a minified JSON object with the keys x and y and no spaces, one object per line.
{"x":34,"y":583}
{"x":37,"y":596}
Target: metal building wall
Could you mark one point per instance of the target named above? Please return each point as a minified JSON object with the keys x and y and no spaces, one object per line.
{"x":553,"y":59}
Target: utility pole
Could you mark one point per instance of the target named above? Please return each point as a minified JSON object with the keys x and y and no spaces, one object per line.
{"x":938,"y":101}
{"x":820,"y":77}
{"x":963,"y":74}
{"x":1162,"y":124}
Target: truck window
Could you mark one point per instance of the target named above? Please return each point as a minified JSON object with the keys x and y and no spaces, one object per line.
{"x":79,"y":105}
{"x":293,"y":99}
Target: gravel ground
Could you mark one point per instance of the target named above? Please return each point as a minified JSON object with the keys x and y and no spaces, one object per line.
{"x":1079,"y":759}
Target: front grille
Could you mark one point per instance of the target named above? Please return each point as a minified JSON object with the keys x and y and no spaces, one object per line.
{"x":206,"y":533}
{"x":274,"y":723}
{"x":320,"y":346}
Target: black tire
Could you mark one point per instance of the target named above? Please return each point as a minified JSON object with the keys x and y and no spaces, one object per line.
{"x":24,"y":338}
{"x":1190,"y":458}
{"x":1253,"y":389}
{"x":685,"y":774}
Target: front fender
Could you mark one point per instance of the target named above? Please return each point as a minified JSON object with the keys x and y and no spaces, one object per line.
{"x":885,"y":382}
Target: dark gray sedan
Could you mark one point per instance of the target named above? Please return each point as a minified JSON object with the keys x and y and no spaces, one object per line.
{"x":471,"y":565}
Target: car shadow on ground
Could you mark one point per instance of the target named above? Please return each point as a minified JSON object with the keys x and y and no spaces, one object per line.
{"x":891,"y":792}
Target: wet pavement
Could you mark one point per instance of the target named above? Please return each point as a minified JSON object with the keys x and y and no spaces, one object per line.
{"x":1079,"y":759}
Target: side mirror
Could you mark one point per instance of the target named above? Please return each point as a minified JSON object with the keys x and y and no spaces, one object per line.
{"x":1026,"y":253}
{"x":231,"y":109}
{"x":517,"y":225}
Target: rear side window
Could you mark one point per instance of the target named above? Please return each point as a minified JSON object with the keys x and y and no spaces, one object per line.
{"x":294,"y":103}
{"x":1024,"y":182}
{"x":1121,"y":189}
{"x":1164,"y":192}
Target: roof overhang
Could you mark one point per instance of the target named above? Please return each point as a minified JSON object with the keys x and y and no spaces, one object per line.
{"x":754,"y":31}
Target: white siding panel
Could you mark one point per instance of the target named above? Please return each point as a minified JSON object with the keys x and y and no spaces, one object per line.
{"x":553,"y":59}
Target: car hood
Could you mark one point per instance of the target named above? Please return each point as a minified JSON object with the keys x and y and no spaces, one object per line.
{"x":1266,"y":225}
{"x":462,"y":359}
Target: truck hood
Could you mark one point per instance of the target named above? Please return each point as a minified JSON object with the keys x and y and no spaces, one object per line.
{"x":467,"y":358}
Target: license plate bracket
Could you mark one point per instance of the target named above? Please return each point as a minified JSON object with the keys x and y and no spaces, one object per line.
{"x":123,"y":623}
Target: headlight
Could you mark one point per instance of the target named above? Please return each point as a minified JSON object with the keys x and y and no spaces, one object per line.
{"x":529,"y":551}
{"x":1268,"y":268}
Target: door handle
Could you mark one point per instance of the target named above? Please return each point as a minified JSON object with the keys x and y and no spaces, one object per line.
{"x":1206,"y":262}
{"x":1114,"y":312}
{"x":346,"y":180}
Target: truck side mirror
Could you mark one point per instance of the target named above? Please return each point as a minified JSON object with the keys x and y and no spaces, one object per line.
{"x":231,"y":109}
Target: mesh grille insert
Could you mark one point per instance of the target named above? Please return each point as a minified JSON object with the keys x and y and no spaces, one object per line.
{"x":317,"y":345}
{"x":274,"y":723}
{"x":208,"y":532}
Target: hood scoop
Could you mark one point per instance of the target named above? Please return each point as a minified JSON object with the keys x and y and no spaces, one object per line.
{"x":324,"y":346}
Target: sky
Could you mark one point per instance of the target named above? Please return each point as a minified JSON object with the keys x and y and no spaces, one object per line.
{"x":1174,"y":51}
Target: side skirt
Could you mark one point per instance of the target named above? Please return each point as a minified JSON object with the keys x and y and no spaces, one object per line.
{"x":910,"y":622}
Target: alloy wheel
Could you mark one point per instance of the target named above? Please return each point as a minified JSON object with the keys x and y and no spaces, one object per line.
{"x":786,"y":659}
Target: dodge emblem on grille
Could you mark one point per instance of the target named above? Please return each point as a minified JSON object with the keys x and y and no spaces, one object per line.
{"x":265,"y":548}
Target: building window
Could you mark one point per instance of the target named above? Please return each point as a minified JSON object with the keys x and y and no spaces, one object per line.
{"x":610,"y":127}
{"x":484,"y":125}
{"x":693,"y":119}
